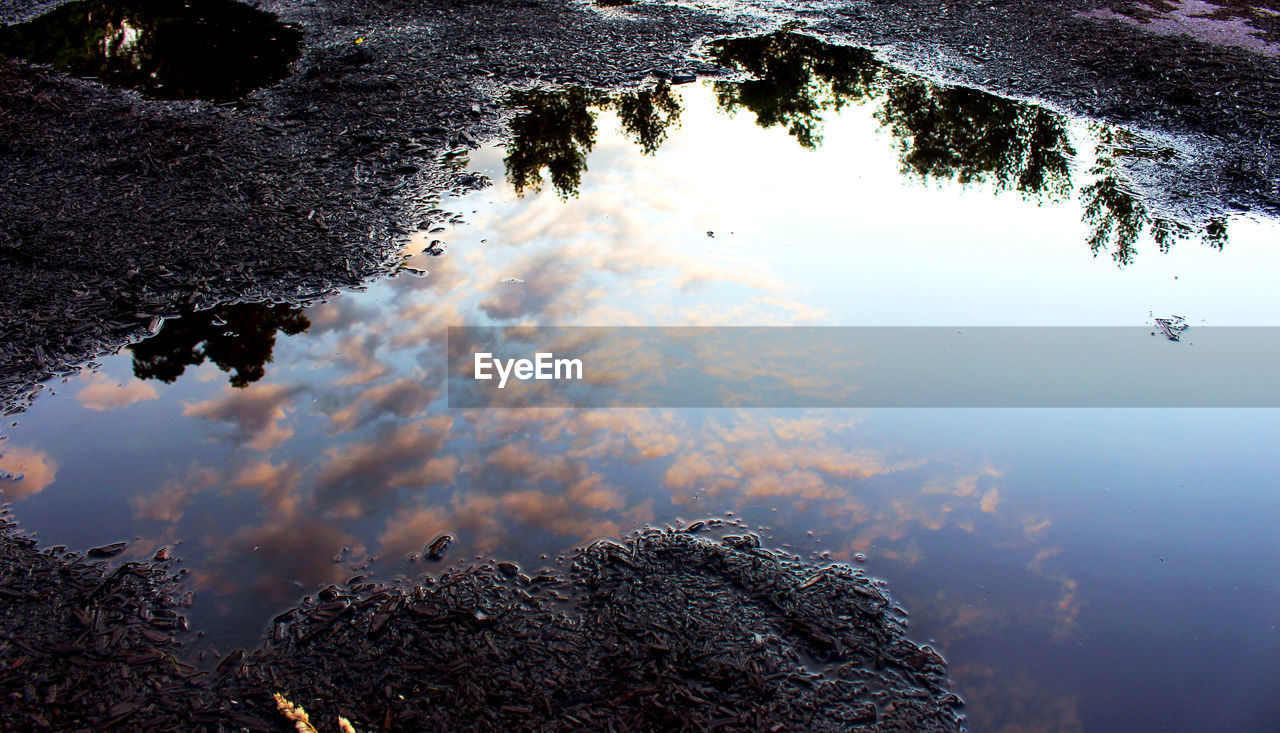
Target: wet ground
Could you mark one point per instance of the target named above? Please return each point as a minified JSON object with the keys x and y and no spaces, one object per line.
{"x":1078,"y":569}
{"x":667,"y":629}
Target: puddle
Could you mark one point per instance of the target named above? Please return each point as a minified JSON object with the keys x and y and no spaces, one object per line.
{"x":942,"y":134}
{"x":217,"y":50}
{"x":1077,"y":568}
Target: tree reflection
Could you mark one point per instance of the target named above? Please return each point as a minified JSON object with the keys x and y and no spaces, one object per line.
{"x":647,"y":115}
{"x":968,"y":135}
{"x":238,"y":338}
{"x":556,"y":131}
{"x":943,"y":132}
{"x":1117,"y":218}
{"x":208,"y":49}
{"x":797,"y":78}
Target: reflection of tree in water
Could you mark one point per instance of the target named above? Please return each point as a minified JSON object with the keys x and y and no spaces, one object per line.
{"x":210,"y":49}
{"x":646,"y":115}
{"x":943,"y":132}
{"x":948,"y":133}
{"x":557,"y":131}
{"x":235,"y":337}
{"x":1116,"y":218}
{"x":968,"y":135}
{"x":797,"y":78}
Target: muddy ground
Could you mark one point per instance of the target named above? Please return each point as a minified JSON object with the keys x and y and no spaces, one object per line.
{"x":667,"y":630}
{"x":116,"y":210}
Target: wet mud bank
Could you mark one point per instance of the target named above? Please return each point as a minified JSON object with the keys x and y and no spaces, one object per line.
{"x":120,"y":209}
{"x":665,"y":629}
{"x":87,"y":647}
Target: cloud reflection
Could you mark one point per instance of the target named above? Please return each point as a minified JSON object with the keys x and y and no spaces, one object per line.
{"x":257,"y":414}
{"x":25,"y":472}
{"x":101,"y":394}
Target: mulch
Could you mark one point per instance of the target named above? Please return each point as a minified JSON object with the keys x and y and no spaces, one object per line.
{"x":667,"y":629}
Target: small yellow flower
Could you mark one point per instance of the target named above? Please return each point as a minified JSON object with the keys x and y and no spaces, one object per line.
{"x":359,"y":40}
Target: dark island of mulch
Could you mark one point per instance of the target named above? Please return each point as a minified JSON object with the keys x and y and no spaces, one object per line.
{"x":666,"y":630}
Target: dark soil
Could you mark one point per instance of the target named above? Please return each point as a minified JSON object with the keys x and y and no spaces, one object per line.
{"x":668,"y":630}
{"x":84,"y":647}
{"x":116,"y":210}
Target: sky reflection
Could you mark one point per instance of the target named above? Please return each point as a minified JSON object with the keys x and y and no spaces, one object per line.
{"x":1054,"y":555}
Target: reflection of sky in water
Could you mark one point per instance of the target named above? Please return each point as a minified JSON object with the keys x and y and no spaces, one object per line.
{"x":1077,"y":567}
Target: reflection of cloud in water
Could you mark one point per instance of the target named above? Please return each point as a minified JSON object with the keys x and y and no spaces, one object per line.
{"x":274,"y":560}
{"x":340,"y":314}
{"x":405,"y":456}
{"x":256,"y":412}
{"x":102,"y":394}
{"x":168,"y":503}
{"x":996,"y":696}
{"x":357,"y":353}
{"x":36,"y":468}
{"x":409,"y":528}
{"x":403,"y":398}
{"x":276,"y":483}
{"x":771,"y":457}
{"x":549,"y":291}
{"x":570,"y":278}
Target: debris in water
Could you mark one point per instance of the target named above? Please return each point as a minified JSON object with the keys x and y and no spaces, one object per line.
{"x":437,"y":548}
{"x":111,"y":550}
{"x":1171,"y":328}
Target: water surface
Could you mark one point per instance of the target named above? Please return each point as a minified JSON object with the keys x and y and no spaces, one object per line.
{"x":1080,"y":569}
{"x":190,"y":49}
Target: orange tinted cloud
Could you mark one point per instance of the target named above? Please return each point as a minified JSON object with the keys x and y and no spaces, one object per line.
{"x":255,"y":412}
{"x":401,"y":457}
{"x":103,"y":394}
{"x":403,"y":398}
{"x":36,"y":468}
{"x":169,"y":502}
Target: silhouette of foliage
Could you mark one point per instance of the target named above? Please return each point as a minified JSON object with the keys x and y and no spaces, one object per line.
{"x":647,"y":115}
{"x":557,"y":130}
{"x":797,"y":79}
{"x":208,"y":49}
{"x":968,"y":135}
{"x":1117,"y":218}
{"x":943,"y":132}
{"x":238,"y":338}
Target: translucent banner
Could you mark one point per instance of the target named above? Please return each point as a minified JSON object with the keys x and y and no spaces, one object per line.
{"x":524,"y":366}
